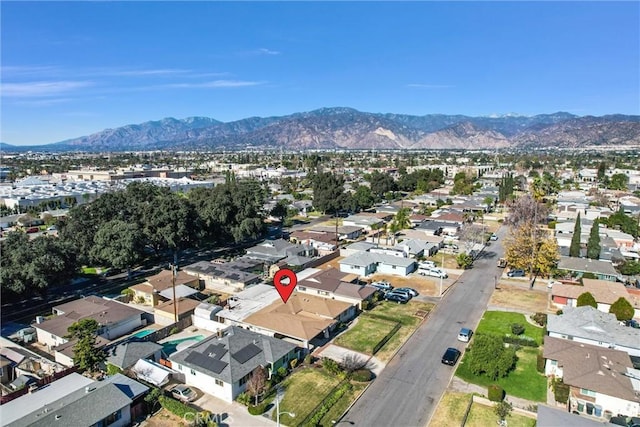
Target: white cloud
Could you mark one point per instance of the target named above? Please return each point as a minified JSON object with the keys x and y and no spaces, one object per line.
{"x":269,"y":51}
{"x":428,"y":86}
{"x":42,"y":88}
{"x":213,"y":84}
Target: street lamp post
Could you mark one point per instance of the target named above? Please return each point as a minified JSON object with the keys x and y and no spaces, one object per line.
{"x":291,"y":414}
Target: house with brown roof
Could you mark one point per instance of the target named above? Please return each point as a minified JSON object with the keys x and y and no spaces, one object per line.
{"x":116,"y":319}
{"x":303,"y":318}
{"x":604,"y":292}
{"x":333,"y":284}
{"x":324,"y":242}
{"x":602,"y":381}
{"x":151,"y":292}
{"x":165,"y":312}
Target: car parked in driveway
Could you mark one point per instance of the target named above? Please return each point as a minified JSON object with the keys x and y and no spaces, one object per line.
{"x":451,"y":356}
{"x":434,"y":272}
{"x":410,"y":291}
{"x":493,"y":237}
{"x":184,"y":393}
{"x":383,"y":286}
{"x":399,"y":298}
{"x":465,"y":334}
{"x":516,"y":273}
{"x":403,"y":293}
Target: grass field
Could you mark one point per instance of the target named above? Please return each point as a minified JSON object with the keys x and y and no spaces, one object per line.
{"x":499,"y":323}
{"x":313,"y":384}
{"x":482,"y":416}
{"x":364,"y":336}
{"x":341,"y":405}
{"x":451,"y":409}
{"x":518,"y":298}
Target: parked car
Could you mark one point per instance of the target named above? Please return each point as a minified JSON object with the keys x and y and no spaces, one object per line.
{"x":399,"y":298}
{"x":411,"y":291}
{"x":502,"y":263}
{"x":632,"y":323}
{"x":383,"y":286}
{"x":493,"y":237}
{"x":516,"y":273}
{"x":402,"y":293}
{"x":426,"y":264}
{"x":434,"y":272}
{"x":465,"y":335}
{"x":451,"y":356}
{"x":184,"y":393}
{"x":32,"y":230}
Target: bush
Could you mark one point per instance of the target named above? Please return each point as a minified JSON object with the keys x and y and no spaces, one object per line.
{"x":331,"y":366}
{"x":520,"y":341}
{"x":559,"y":312}
{"x":282,"y":372}
{"x":540,"y":362}
{"x":366,"y":305}
{"x":362,"y":375}
{"x":308,"y":359}
{"x":244,"y":399}
{"x":258,"y":409}
{"x":560,"y":391}
{"x":328,"y":403}
{"x":113,"y":369}
{"x":517,"y":329}
{"x":540,"y":318}
{"x":174,"y":330}
{"x":175,"y":406}
{"x":495,"y":393}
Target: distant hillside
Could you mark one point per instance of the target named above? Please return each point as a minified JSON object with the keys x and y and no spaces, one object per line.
{"x":351,"y":129}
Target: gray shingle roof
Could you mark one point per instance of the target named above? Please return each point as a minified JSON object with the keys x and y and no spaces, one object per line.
{"x":126,"y":355}
{"x":587,"y":265}
{"x":588,"y":322}
{"x":234,"y":355}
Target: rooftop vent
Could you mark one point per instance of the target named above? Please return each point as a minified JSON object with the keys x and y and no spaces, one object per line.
{"x":89,"y":388}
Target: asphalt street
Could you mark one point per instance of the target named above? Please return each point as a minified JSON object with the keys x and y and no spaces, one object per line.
{"x":408,"y":390}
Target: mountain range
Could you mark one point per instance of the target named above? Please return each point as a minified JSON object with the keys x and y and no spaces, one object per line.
{"x":346,"y":128}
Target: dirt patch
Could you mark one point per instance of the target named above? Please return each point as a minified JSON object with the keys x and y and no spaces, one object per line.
{"x":425,"y":285}
{"x":165,"y":418}
{"x":334,"y":263}
{"x":530,"y":300}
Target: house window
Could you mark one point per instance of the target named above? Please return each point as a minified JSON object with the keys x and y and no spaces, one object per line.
{"x":219,"y":382}
{"x":193,"y":372}
{"x":393,"y":266}
{"x":179,"y":367}
{"x":113,"y":418}
{"x":302,"y":288}
{"x":244,"y":379}
{"x":553,"y":362}
{"x":587,"y":392}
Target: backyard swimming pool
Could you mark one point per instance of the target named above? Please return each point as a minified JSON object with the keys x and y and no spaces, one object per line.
{"x":143,"y":333}
{"x":171,"y":347}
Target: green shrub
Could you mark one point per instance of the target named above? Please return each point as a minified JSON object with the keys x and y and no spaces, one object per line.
{"x":540,"y":362}
{"x":517,"y":329}
{"x":520,"y":341}
{"x":174,"y":330}
{"x":560,"y":391}
{"x":331,"y":366}
{"x":495,"y":393}
{"x":308,"y":359}
{"x":113,"y":369}
{"x":540,"y":318}
{"x":258,"y":409}
{"x":559,"y":312}
{"x":244,"y":399}
{"x":327,"y":404}
{"x":282,"y":372}
{"x":366,"y":305}
{"x":362,"y":375}
{"x":175,"y":406}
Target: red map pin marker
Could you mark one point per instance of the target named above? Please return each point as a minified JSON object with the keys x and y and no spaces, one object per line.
{"x":283,"y":286}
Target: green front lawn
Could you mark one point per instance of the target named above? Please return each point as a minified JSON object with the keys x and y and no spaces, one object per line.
{"x":482,"y":416}
{"x":341,"y":405}
{"x":524,"y":381}
{"x":367,"y":332}
{"x":499,"y":323}
{"x":304,"y":390}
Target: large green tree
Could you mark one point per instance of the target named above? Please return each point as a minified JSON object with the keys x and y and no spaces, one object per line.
{"x":118,"y":244}
{"x":363,"y":197}
{"x":328,"y":192}
{"x":574,"y":249}
{"x":626,"y":223}
{"x":488,"y":356}
{"x":381,"y":183}
{"x":593,"y":244}
{"x":87,"y":355}
{"x":622,"y":309}
{"x":618,"y":181}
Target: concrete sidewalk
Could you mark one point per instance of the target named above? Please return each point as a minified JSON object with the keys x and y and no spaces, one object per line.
{"x":231,"y":414}
{"x":458,"y":384}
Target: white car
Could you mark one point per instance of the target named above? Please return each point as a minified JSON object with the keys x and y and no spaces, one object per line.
{"x":427,"y":264}
{"x":434,"y":272}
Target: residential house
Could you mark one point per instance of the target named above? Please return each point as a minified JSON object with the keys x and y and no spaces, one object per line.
{"x":603,"y":270}
{"x":417,"y":248}
{"x":227,"y":277}
{"x":75,"y":400}
{"x":367,"y":222}
{"x":604,"y":292}
{"x":366,"y":263}
{"x":591,"y":326}
{"x":124,"y":355}
{"x":356,"y":247}
{"x":301,"y":319}
{"x":115,"y":319}
{"x":159,"y":288}
{"x":624,"y":241}
{"x":601,"y":380}
{"x":245,"y":303}
{"x":331,"y":283}
{"x":222,"y":364}
{"x":272,"y":251}
{"x":165,"y":313}
{"x":548,"y":416}
{"x":323,"y":242}
{"x":345,"y":232}
{"x":18,"y":362}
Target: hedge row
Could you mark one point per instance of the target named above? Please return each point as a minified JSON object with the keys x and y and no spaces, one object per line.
{"x":175,"y":406}
{"x":327,"y":404}
{"x":258,"y":409}
{"x":386,"y":338}
{"x":524,"y":341}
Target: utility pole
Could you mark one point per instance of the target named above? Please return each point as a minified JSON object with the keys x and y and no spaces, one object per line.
{"x":174,"y":272}
{"x":442,"y":273}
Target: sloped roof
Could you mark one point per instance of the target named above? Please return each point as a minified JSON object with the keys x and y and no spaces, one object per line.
{"x":587,"y":265}
{"x":604,"y":291}
{"x":127,"y":354}
{"x":592,"y":367}
{"x":234,"y":355}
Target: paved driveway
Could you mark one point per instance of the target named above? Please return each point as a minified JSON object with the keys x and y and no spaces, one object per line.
{"x":338,"y":353}
{"x":231,"y":414}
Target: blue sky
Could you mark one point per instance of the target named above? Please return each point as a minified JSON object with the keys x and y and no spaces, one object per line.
{"x":71,"y":69}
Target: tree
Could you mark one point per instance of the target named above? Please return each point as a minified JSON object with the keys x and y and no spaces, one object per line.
{"x":503,"y":410}
{"x":381,"y":183}
{"x":622,"y":309}
{"x":586,"y":299}
{"x":464,"y":260}
{"x":257,"y":382}
{"x":630,"y":268}
{"x":488,"y":356}
{"x":328,"y":192}
{"x":471,"y":234}
{"x":280,"y":210}
{"x":602,"y":169}
{"x":618,"y":181}
{"x":119,"y":244}
{"x":363,"y":198}
{"x":526,"y":210}
{"x":574,"y":249}
{"x":626,"y":223}
{"x":86,"y":353}
{"x":400,"y":221}
{"x":593,"y":244}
